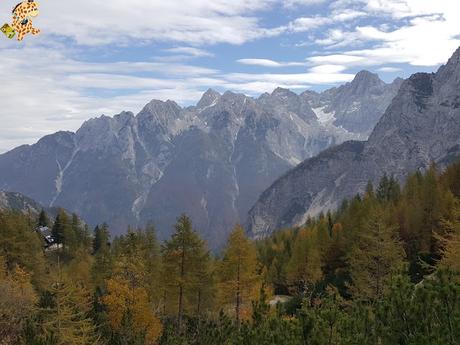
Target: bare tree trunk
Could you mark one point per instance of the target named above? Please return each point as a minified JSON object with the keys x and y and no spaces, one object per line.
{"x":181,"y":290}
{"x":238,"y":295}
{"x":198,"y":309}
{"x":164,"y":303}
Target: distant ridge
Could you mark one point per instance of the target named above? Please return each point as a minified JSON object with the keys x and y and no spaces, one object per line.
{"x":421,"y":126}
{"x":210,"y":161}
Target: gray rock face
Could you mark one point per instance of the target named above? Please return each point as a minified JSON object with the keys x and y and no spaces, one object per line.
{"x":210,"y":161}
{"x":356,"y":106}
{"x":18,"y":202}
{"x":422,"y":125}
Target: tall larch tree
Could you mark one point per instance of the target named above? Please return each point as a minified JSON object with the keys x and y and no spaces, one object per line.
{"x":17,"y":302}
{"x":304,"y":268}
{"x":130,"y":313}
{"x":103,"y":258}
{"x":450,"y":242}
{"x":67,"y":319}
{"x":237,"y":276}
{"x":376,"y":257}
{"x":182,"y":256}
{"x":43,"y":219}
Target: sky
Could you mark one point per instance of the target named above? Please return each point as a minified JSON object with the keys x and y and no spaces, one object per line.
{"x":103,"y":57}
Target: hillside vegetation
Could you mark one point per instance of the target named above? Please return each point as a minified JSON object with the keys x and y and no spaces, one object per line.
{"x":383,"y":269}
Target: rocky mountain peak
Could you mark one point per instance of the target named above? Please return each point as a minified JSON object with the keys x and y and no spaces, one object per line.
{"x":398,"y":81}
{"x":211,"y":161}
{"x":124,"y":117}
{"x":65,"y":138}
{"x":232,"y":101}
{"x":365,"y":80}
{"x":419,"y":127}
{"x":455,"y":59}
{"x":18,"y":202}
{"x":279,"y":91}
{"x":232,"y":95}
{"x":156,"y":106}
{"x":449,"y":74}
{"x":285,"y":96}
{"x":160,"y":113}
{"x":209,"y":98}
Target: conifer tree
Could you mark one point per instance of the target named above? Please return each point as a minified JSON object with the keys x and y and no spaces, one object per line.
{"x":130,"y":312}
{"x":63,"y":231}
{"x":182,"y":256}
{"x":103,"y":258}
{"x":17,"y":302}
{"x":152,"y":257}
{"x":60,"y":223}
{"x":450,"y":243}
{"x":304,"y":268}
{"x":67,"y":320}
{"x":238,"y":278}
{"x":376,"y":257}
{"x":43,"y":219}
{"x":101,"y":238}
{"x":21,"y":246}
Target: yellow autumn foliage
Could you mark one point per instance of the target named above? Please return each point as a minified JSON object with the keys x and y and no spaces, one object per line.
{"x":122,"y":299}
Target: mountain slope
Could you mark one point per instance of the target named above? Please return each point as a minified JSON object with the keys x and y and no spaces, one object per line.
{"x":419,"y":127}
{"x":210,"y":161}
{"x":18,"y":202}
{"x":356,"y":106}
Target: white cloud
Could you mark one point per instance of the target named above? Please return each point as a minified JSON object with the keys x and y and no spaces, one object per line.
{"x":192,"y":51}
{"x":51,"y":92}
{"x":45,"y":90}
{"x":131,"y":22}
{"x":405,"y":8}
{"x":328,"y":69}
{"x":63,"y":89}
{"x":389,"y":69}
{"x":345,"y":59}
{"x":295,"y":3}
{"x":308,"y":23}
{"x":303,"y":24}
{"x":427,"y":37}
{"x":292,"y":79}
{"x":269,"y":63}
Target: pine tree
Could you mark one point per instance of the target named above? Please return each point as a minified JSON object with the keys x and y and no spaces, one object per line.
{"x":202,"y":291}
{"x":238,"y":278}
{"x":388,"y":189}
{"x":101,"y":238}
{"x":103,"y":257}
{"x":152,"y":257}
{"x":129,"y":310}
{"x":17,"y":302}
{"x":60,"y":223}
{"x":21,"y":246}
{"x":377,"y":256}
{"x":450,"y":244}
{"x":63,"y":231}
{"x":304,"y":268}
{"x":67,"y":320}
{"x":43,"y":219}
{"x":181,"y":263}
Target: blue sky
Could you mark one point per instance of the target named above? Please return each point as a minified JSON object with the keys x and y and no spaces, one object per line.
{"x":96,"y":58}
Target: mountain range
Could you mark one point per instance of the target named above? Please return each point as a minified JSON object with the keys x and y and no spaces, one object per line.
{"x":211,"y":160}
{"x":14,"y":201}
{"x":420,"y":127}
{"x":18,"y":202}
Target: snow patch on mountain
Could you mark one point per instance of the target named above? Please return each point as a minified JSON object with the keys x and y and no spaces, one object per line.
{"x":323,"y":116}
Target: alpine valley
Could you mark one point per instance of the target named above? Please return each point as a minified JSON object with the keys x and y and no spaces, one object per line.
{"x":211,"y":161}
{"x":420,"y":127}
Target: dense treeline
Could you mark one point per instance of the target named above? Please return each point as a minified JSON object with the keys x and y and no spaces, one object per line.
{"x":383,"y":269}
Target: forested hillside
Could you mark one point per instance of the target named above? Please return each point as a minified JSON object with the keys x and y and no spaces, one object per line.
{"x":383,"y":269}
